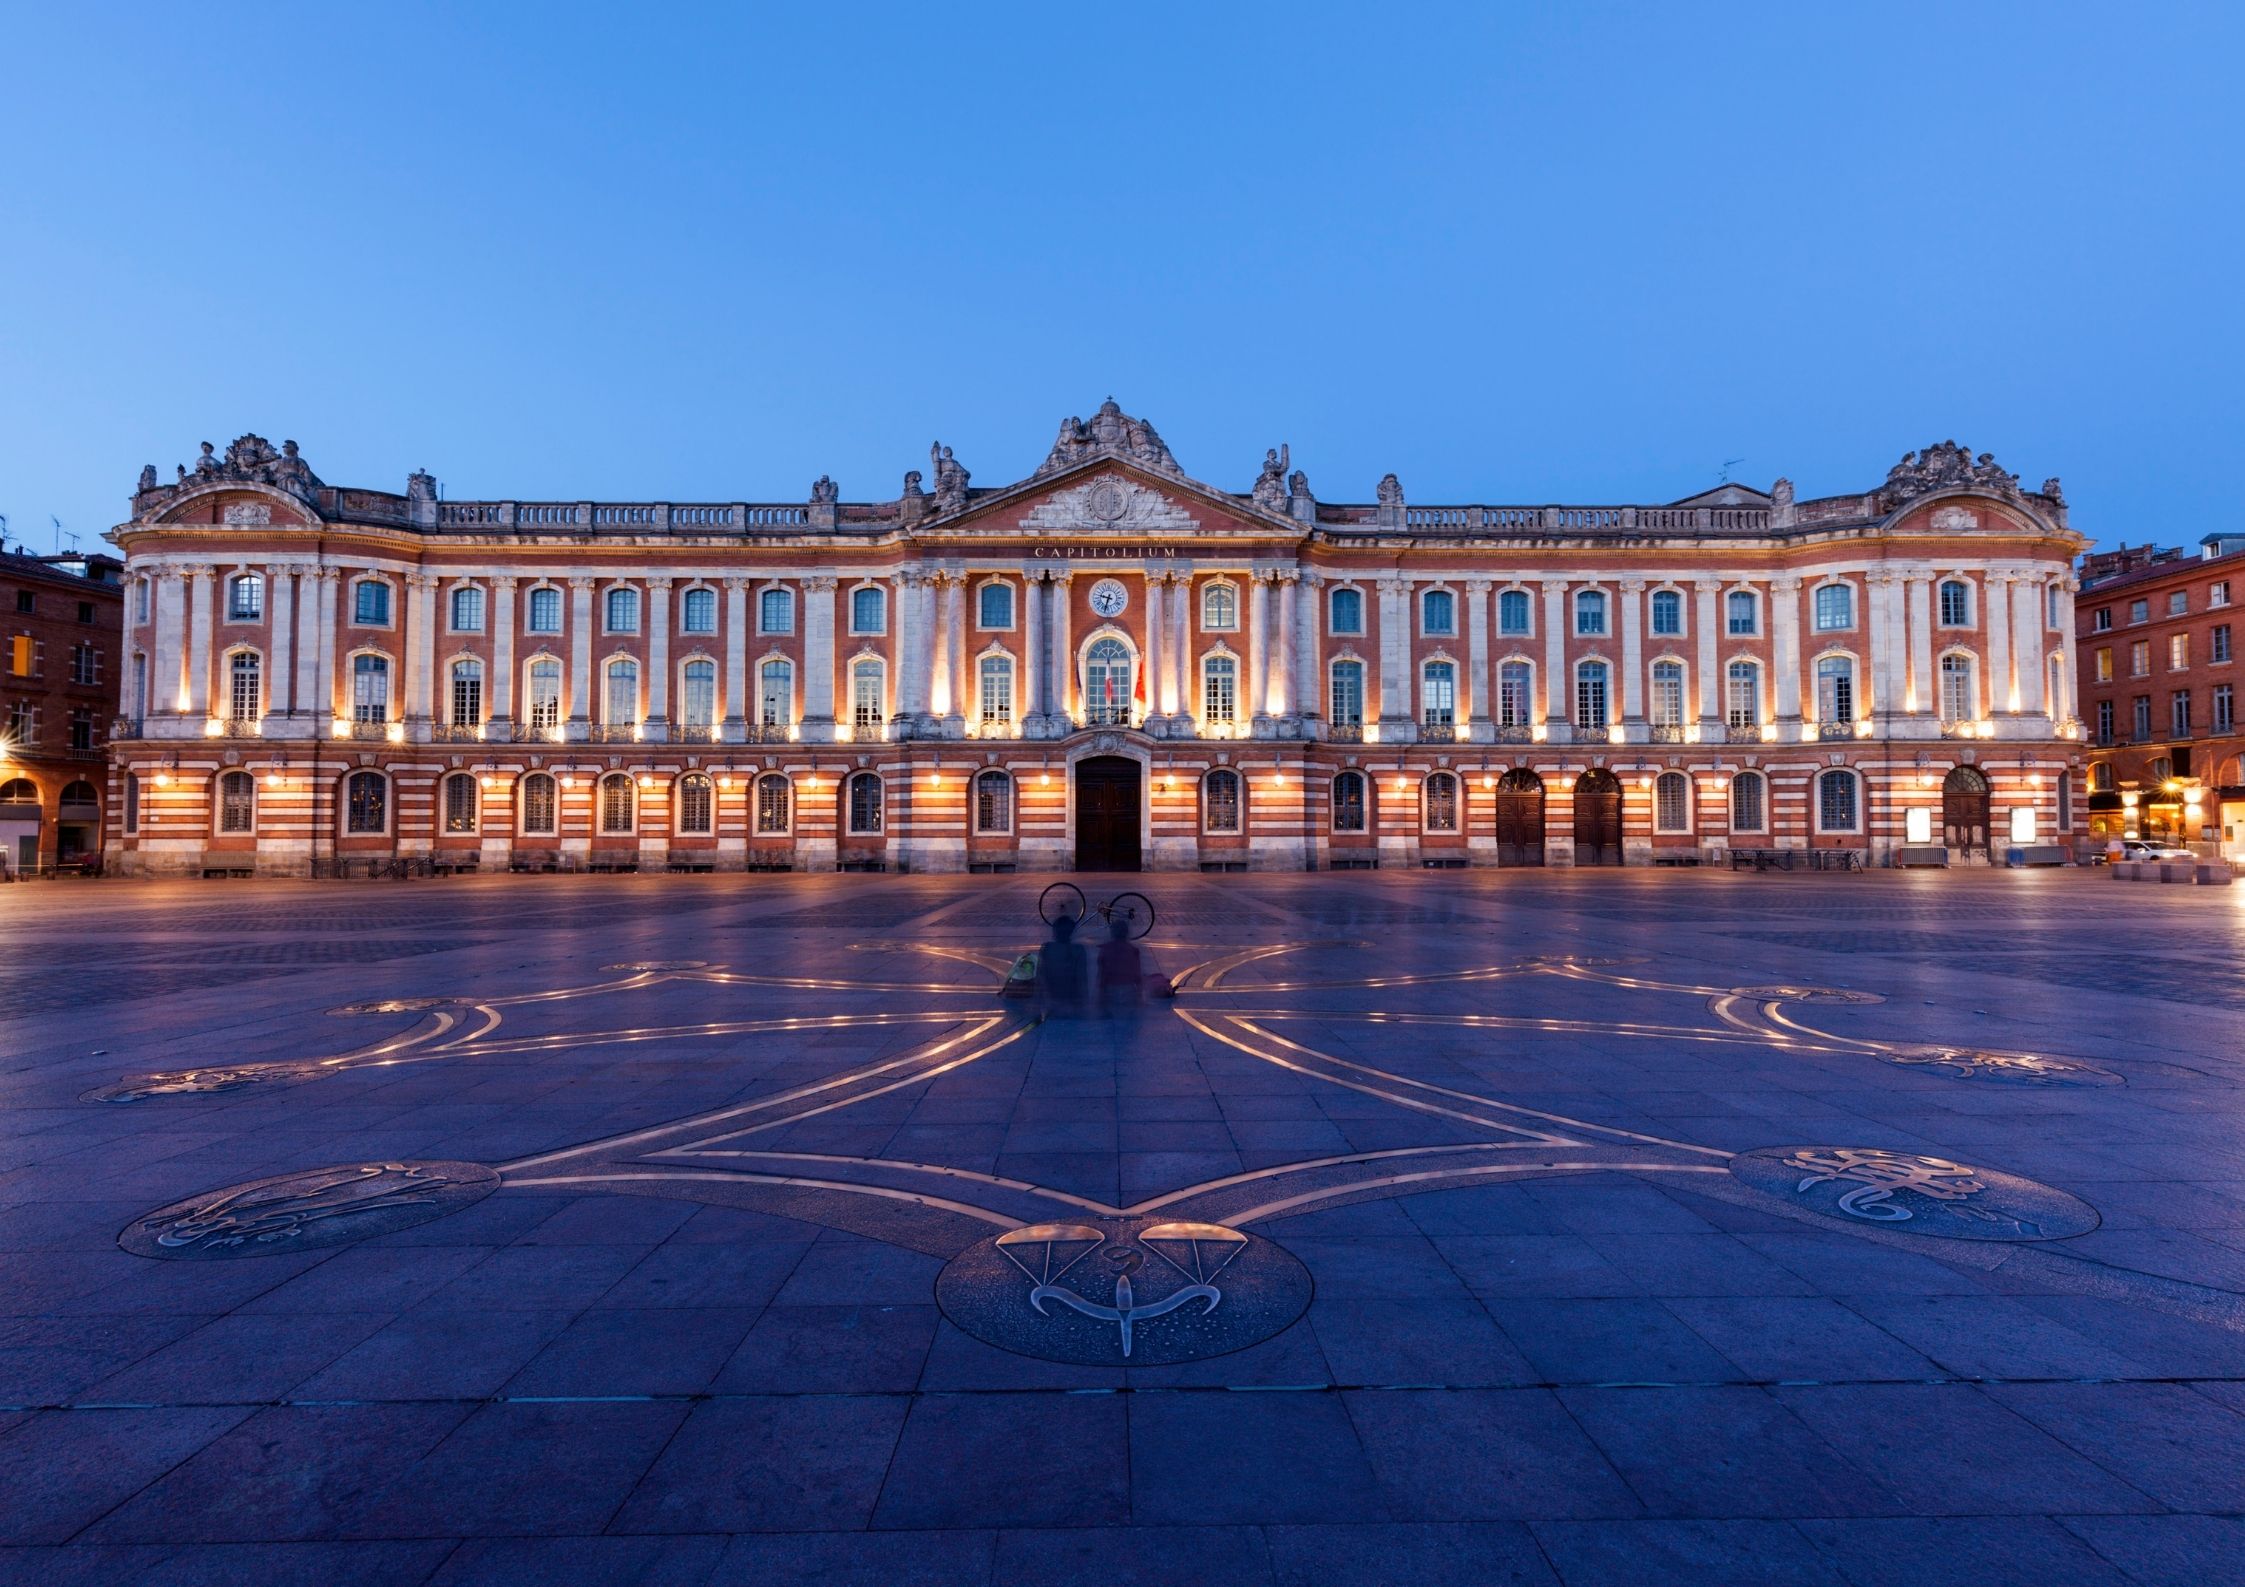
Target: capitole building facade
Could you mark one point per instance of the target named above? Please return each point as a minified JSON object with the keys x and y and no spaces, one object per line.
{"x":1107,"y":665}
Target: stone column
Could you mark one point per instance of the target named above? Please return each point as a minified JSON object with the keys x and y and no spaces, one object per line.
{"x":502,"y":658}
{"x":658,"y":660}
{"x":1924,"y":690}
{"x":1885,"y":618}
{"x":1309,"y":676}
{"x":1063,"y":650}
{"x":912,"y":641}
{"x":955,"y":646}
{"x":329,"y":583}
{"x":2066,"y":706}
{"x":1258,"y":666}
{"x":1785,"y":631}
{"x":204,"y":582}
{"x":580,"y":657}
{"x":736,"y":662}
{"x":1707,"y":615}
{"x":1032,"y":704}
{"x":1995,"y":625}
{"x":310,"y":642}
{"x":1482,"y":725}
{"x":1181,"y":627}
{"x":280,"y":698}
{"x":167,"y":658}
{"x":1396,"y":714}
{"x":1285,"y":703}
{"x":1558,"y":717}
{"x":421,"y":650}
{"x":2030,"y":615}
{"x":942,"y":687}
{"x":1633,"y":660}
{"x":818,"y":660}
{"x":1161,"y":689}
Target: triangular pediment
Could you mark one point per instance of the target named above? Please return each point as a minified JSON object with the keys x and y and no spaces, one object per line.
{"x":1108,"y":496}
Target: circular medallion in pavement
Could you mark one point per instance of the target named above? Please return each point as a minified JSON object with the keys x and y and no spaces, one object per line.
{"x":1805,"y":994}
{"x":1918,"y":1195}
{"x":304,"y":1211}
{"x":210,"y":1077}
{"x":641,"y":966}
{"x":2002,"y":1068}
{"x":1116,"y":1292}
{"x":395,"y":1005}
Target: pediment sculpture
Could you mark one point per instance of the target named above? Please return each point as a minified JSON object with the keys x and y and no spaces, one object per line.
{"x":1110,"y":502}
{"x":1947,"y":466}
{"x":249,"y":459}
{"x":1109,"y":433}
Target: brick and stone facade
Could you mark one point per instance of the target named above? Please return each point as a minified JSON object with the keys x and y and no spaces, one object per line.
{"x":1105,"y":664}
{"x":60,"y":622}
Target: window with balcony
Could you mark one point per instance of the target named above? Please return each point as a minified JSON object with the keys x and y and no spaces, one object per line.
{"x":697,"y":696}
{"x":1835,"y":691}
{"x":1742,"y":695}
{"x":467,"y":693}
{"x":370,"y":689}
{"x":775,"y":694}
{"x":245,"y":686}
{"x":1219,"y":691}
{"x":1348,"y":695}
{"x":868,"y":697}
{"x":1515,"y":692}
{"x":620,"y":699}
{"x":1591,"y":714}
{"x":996,"y":692}
{"x":1438,"y":695}
{"x":1668,"y":694}
{"x":542,"y":694}
{"x":1960,"y":694}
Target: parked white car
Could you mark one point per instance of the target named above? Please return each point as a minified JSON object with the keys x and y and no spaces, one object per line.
{"x":2138,"y":849}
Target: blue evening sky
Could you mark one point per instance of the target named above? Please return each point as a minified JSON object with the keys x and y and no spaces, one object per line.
{"x":1514,"y":253}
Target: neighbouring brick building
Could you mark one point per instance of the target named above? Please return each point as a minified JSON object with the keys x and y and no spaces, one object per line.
{"x":1106,"y":664}
{"x":2158,"y":631}
{"x":61,"y":619}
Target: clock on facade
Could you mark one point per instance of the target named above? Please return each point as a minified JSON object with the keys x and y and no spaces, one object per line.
{"x":1108,"y":597}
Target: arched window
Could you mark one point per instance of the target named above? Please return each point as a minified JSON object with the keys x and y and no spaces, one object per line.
{"x":1672,"y":802}
{"x":1747,"y":802}
{"x":1742,"y":694}
{"x":1590,"y":611}
{"x":993,"y":801}
{"x":245,"y":598}
{"x":1441,"y":802}
{"x":1219,"y":690}
{"x":1835,"y":607}
{"x":460,"y":800}
{"x":366,"y":803}
{"x":467,"y":692}
{"x":1107,"y":680}
{"x":370,"y":603}
{"x":1219,"y":803}
{"x":697,"y":695}
{"x":1836,"y":802}
{"x":1956,"y":604}
{"x":623,"y":610}
{"x":869,"y":610}
{"x":697,"y":611}
{"x":1219,"y":606}
{"x":775,"y":693}
{"x":541,"y":693}
{"x":245,"y":686}
{"x":1590,"y":696}
{"x":1348,"y":696}
{"x":545,"y":610}
{"x":619,"y":804}
{"x":2100,"y":776}
{"x":1438,"y":695}
{"x":1835,"y":691}
{"x":370,"y":689}
{"x":1668,"y":613}
{"x":697,"y":805}
{"x":994,"y":606}
{"x":1516,"y":684}
{"x":237,"y":802}
{"x":620,"y":703}
{"x":1438,"y":613}
{"x":1348,"y":802}
{"x":1960,"y":693}
{"x":1668,"y":694}
{"x":775,"y":612}
{"x":19,"y":791}
{"x":2160,"y":768}
{"x":1742,"y":613}
{"x":1345,"y":612}
{"x":467,"y":610}
{"x":864,"y":800}
{"x":538,"y":806}
{"x":995,"y":694}
{"x":1515,"y":613}
{"x":868,"y":700}
{"x":775,"y":805}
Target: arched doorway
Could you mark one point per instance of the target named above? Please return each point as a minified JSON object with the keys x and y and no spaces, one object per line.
{"x":1964,"y":811}
{"x":19,"y":825}
{"x":1110,"y":807}
{"x":78,"y":824}
{"x":1598,"y":818}
{"x":1520,"y":818}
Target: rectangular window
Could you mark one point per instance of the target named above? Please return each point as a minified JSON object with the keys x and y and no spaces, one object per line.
{"x":1746,"y":803}
{"x":1739,"y":607}
{"x":2217,"y":648}
{"x":1514,"y":685}
{"x":997,"y":685}
{"x":1590,"y":697}
{"x":2178,"y":602}
{"x":2142,"y":704}
{"x":2139,"y":659}
{"x":81,"y":729}
{"x":467,"y":611}
{"x":2178,"y":712}
{"x":697,"y":612}
{"x":371,"y":604}
{"x":2225,"y":709}
{"x":545,"y":611}
{"x":2139,"y":611}
{"x":2100,"y":621}
{"x":2218,"y":593}
{"x":2178,"y":652}
{"x":85,"y":664}
{"x":1438,"y":699}
{"x":245,"y":599}
{"x":699,"y":695}
{"x":2104,"y":722}
{"x":1668,"y":612}
{"x":370,"y":689}
{"x":2104,"y":663}
{"x":775,"y":612}
{"x":1590,"y":613}
{"x":1668,"y":695}
{"x":1672,"y":803}
{"x":1835,"y":607}
{"x":1512,"y":612}
{"x":1219,"y":701}
{"x":865,"y":697}
{"x":21,"y":650}
{"x":623,"y":611}
{"x":1956,"y":604}
{"x":1348,"y":695}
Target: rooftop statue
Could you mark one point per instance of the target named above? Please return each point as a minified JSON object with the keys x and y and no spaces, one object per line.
{"x":251,"y":460}
{"x":1270,"y":485}
{"x":950,"y":479}
{"x":1944,"y":467}
{"x":823,"y":489}
{"x":1110,"y":433}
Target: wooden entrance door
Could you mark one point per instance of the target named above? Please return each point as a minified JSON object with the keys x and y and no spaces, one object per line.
{"x":1519,"y":818}
{"x":1597,"y":818}
{"x":1964,"y":811}
{"x":1110,"y":805}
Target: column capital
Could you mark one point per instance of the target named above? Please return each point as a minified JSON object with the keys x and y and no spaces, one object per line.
{"x":1555,"y":586}
{"x":1479,"y":586}
{"x":1708,"y":586}
{"x":1632,"y":586}
{"x":580,"y":583}
{"x":658,"y":582}
{"x":1785,"y":583}
{"x":418,"y":581}
{"x":735,"y":582}
{"x":820,"y":583}
{"x":505,"y":581}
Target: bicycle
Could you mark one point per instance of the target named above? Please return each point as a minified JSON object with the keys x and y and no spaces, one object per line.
{"x":1134,"y":908}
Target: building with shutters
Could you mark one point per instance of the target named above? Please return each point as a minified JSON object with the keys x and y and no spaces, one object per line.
{"x":60,"y":618}
{"x":1106,"y":664}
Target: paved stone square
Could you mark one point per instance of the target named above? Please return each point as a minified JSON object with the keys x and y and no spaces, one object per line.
{"x":1465,"y":1227}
